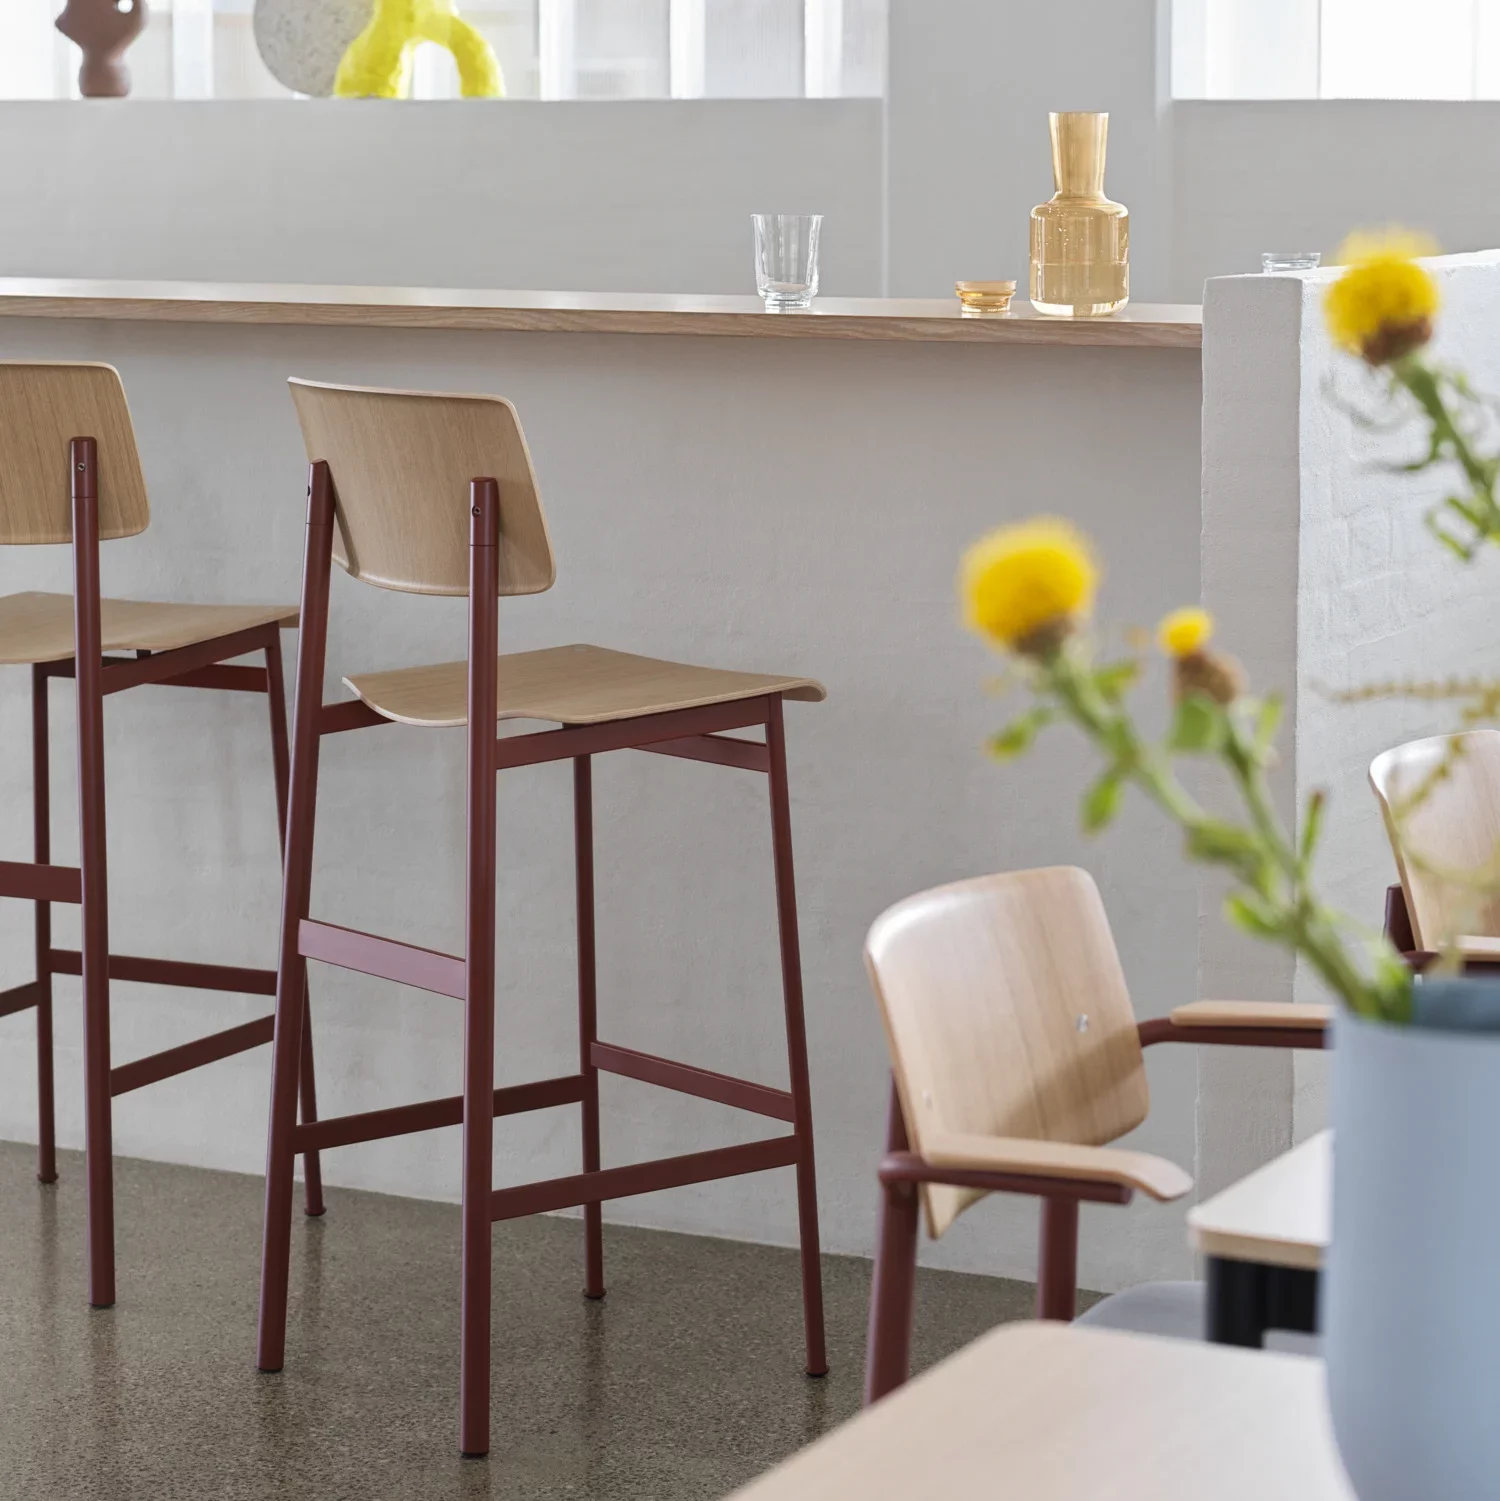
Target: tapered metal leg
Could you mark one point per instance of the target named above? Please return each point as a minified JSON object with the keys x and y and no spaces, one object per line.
{"x":479,"y":999}
{"x":892,"y":1293}
{"x":41,"y":783}
{"x":312,"y":1170}
{"x":796,"y":1041}
{"x":98,"y":1134}
{"x":1057,"y":1275}
{"x":291,"y":975}
{"x":583,"y":836}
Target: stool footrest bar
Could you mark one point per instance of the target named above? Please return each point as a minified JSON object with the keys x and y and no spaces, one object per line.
{"x":385,"y":958}
{"x":20,"y":997}
{"x":191,"y":1055}
{"x":40,"y":883}
{"x":171,"y":972}
{"x":643,"y":1178}
{"x":431,"y":1115}
{"x":685,"y":1079}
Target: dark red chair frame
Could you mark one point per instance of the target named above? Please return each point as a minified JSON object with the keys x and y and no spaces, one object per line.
{"x":695,"y":734}
{"x":202,"y":665}
{"x":888,"y":1358}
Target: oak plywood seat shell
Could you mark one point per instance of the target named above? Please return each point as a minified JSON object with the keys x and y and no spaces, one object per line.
{"x":38,"y":627}
{"x":568,"y":685}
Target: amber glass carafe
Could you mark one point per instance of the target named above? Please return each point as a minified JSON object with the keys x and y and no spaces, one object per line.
{"x":1080,"y":241}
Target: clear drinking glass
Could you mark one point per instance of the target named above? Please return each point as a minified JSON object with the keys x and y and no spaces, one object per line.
{"x":1290,"y":260}
{"x":786,"y":259}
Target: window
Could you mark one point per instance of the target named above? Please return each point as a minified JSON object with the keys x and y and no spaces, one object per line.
{"x":548,"y":49}
{"x":1336,"y":49}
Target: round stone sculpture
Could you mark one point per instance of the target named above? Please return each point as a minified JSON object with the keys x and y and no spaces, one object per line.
{"x":302,"y":42}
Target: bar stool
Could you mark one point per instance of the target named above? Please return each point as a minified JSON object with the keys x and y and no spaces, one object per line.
{"x":391,"y":498}
{"x":70,"y":473}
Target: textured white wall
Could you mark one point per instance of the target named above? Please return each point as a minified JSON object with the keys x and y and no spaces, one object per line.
{"x":651,"y":197}
{"x":1318,"y":564}
{"x":795,"y":506}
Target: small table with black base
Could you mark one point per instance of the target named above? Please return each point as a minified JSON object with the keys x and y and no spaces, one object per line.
{"x":1264,"y":1240}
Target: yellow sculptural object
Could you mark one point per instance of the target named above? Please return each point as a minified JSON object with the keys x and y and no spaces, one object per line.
{"x":378,"y":62}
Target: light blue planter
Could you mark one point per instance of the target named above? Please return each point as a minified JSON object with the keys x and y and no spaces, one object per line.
{"x":1411,"y":1294}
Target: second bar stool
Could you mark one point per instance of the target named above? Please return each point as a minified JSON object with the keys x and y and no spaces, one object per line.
{"x":394,"y":500}
{"x":71,"y":475}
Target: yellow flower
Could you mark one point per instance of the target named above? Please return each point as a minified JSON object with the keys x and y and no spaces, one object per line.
{"x":1185,"y":631}
{"x":1383,"y":305}
{"x":1025,"y":586}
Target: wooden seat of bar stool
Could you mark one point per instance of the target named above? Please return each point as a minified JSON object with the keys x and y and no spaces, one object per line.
{"x":1016,"y":1061}
{"x":435,"y":494}
{"x":70,"y":474}
{"x":39,"y":627}
{"x":576,"y":684}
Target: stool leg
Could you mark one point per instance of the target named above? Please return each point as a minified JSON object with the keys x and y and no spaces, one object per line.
{"x":312,"y":1170}
{"x":796,"y":1042}
{"x":41,"y":785}
{"x":892,"y":1292}
{"x":291,"y":972}
{"x":583,"y":838}
{"x":89,"y":666}
{"x":479,"y":998}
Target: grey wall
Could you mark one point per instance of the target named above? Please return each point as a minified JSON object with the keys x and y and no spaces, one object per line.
{"x":1249,"y":177}
{"x":651,"y":197}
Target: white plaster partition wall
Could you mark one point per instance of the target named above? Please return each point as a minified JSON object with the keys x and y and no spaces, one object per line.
{"x":971,"y":84}
{"x":611,"y":197}
{"x":1318,"y":564}
{"x":1295,"y":174}
{"x":794,"y":505}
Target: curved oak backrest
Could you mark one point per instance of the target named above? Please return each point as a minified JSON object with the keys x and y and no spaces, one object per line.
{"x":42,"y":408}
{"x":401,"y":464}
{"x":1455,"y":827}
{"x":1007,"y":1015}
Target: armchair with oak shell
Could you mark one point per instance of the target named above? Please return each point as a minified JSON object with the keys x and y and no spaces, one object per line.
{"x":1016,"y":1061}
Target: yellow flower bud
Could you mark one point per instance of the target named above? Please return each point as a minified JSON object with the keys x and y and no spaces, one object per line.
{"x":1185,"y":631}
{"x":1024,"y":587}
{"x":1383,"y":305}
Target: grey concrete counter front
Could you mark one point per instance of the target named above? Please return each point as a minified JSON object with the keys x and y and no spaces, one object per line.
{"x":923,"y":320}
{"x":790,"y":505}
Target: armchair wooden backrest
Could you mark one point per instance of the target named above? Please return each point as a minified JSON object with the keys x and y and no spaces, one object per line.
{"x":43,"y":407}
{"x":1455,"y":827}
{"x":401,"y":463}
{"x":1007,"y":1015}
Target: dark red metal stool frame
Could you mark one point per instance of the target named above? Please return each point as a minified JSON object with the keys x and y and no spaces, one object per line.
{"x":901,"y":1170}
{"x":693,"y":733}
{"x":202,"y":665}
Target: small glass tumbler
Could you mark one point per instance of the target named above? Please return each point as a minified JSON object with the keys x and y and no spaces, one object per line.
{"x":1290,"y":260}
{"x":786,"y":259}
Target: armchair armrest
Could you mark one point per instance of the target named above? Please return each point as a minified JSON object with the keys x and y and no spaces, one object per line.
{"x":1475,"y":950}
{"x":1025,"y":1158}
{"x":1276,"y":1014}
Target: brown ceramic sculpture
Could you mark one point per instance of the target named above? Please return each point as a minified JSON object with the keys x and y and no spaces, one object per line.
{"x":103,"y":29}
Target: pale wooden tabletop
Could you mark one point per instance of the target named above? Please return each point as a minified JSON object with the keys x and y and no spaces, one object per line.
{"x":1045,"y":1412}
{"x":1278,"y":1216}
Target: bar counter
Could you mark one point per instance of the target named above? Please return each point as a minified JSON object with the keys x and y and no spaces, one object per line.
{"x":784,"y":493}
{"x":934,"y":320}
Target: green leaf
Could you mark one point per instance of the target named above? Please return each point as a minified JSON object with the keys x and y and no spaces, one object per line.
{"x":1217,"y":841}
{"x":1267,"y":722}
{"x":1102,"y":801}
{"x":1312,"y":827}
{"x":1197,"y":728}
{"x":1115,"y":677}
{"x":1254,"y":918}
{"x":1017,"y":737}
